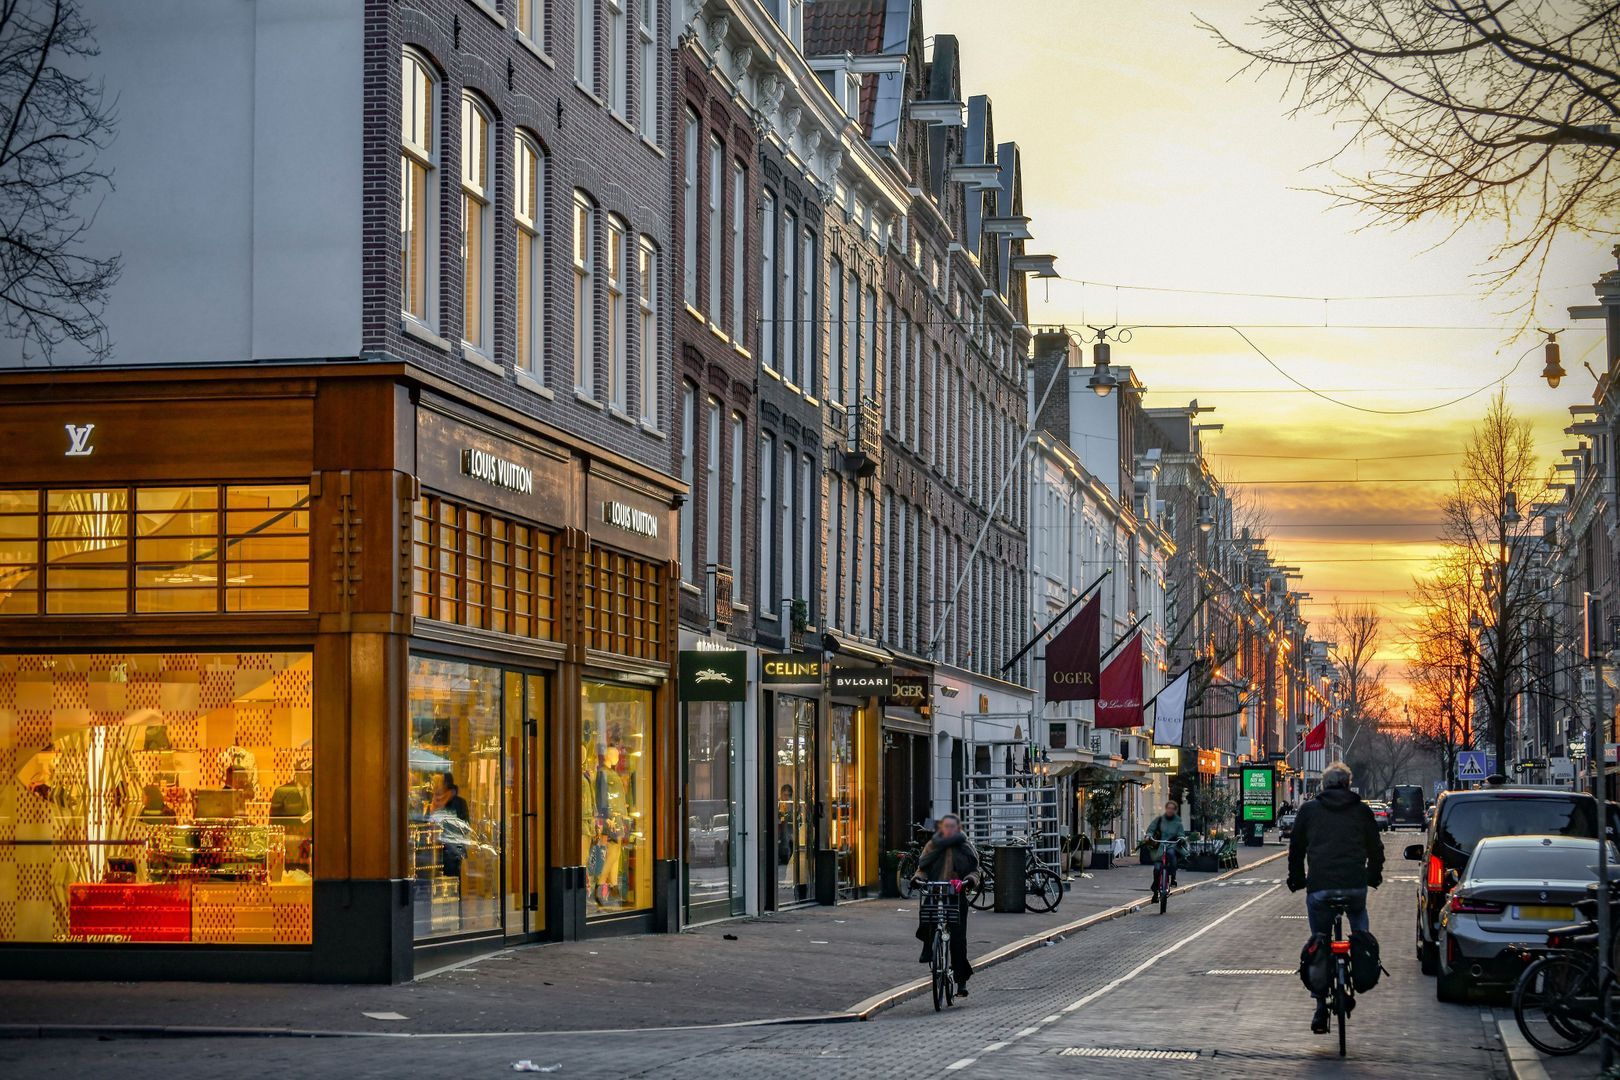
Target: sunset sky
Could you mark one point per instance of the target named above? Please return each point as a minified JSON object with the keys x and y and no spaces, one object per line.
{"x":1148,"y":161}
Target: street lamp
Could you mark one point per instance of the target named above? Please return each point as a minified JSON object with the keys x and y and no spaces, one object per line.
{"x":1553,"y":372}
{"x":1103,"y":380}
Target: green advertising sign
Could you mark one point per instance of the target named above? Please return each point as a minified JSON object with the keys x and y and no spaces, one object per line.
{"x":1259,"y":793}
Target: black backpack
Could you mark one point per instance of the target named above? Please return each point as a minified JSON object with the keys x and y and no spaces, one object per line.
{"x":1364,"y":964}
{"x":1316,"y":965}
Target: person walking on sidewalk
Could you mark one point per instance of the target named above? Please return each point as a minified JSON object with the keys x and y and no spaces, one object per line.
{"x":1171,"y":835}
{"x":949,"y":856}
{"x":1336,"y":848}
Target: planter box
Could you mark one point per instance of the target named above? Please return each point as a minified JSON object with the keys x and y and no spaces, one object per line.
{"x":1101,"y":859}
{"x":1206,"y":863}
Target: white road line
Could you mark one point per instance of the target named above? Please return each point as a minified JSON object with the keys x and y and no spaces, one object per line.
{"x":1156,"y":957}
{"x":1125,"y":978}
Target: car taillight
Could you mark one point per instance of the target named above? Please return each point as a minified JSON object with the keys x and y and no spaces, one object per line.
{"x":1436,"y":878}
{"x":1470,"y":906}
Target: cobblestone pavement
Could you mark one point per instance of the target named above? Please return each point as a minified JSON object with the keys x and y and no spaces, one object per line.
{"x":1144,"y":982}
{"x":716,"y":973}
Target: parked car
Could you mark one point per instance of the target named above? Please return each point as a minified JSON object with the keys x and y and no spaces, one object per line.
{"x":1380,"y":814}
{"x":1406,"y":809}
{"x":1463,"y":818}
{"x":1511,"y":892}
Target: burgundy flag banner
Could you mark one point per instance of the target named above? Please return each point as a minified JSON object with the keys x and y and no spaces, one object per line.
{"x":1071,"y":658}
{"x":1119,"y":695}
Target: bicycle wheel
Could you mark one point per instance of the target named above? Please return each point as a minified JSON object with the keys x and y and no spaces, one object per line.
{"x":1164,"y":889}
{"x":938,"y":969}
{"x":1549,"y":1008}
{"x":945,"y":969}
{"x":906,"y":871}
{"x":1043,"y":889}
{"x":983,"y":898}
{"x":1341,"y":1009}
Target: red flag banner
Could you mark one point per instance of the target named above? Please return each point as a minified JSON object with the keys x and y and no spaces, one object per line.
{"x":1071,"y":657}
{"x":1119,"y":688}
{"x":1316,"y":738}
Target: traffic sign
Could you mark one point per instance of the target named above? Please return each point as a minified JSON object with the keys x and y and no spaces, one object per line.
{"x":1471,"y":765}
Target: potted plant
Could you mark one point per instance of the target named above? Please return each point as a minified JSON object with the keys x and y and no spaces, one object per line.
{"x":1102,"y":807}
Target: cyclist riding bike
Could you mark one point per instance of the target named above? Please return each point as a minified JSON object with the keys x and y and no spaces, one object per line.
{"x":1171,"y":837}
{"x":1335,"y":848}
{"x":949,"y":856}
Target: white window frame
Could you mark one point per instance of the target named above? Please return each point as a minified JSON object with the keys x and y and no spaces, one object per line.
{"x":688,"y":522}
{"x":689,"y":208}
{"x":419,"y":168}
{"x":787,"y":515}
{"x":585,"y":44}
{"x":647,"y":35}
{"x":477,"y":213}
{"x":767,"y":534}
{"x":529,"y":19}
{"x":711,"y":485}
{"x":739,"y":249}
{"x":617,"y":239}
{"x":790,"y":297}
{"x":739,"y":450}
{"x":584,"y":293}
{"x":529,"y":224}
{"x":807,"y":472}
{"x":651,"y":359}
{"x":717,"y":230}
{"x":767,"y":279}
{"x":617,"y":80}
{"x":837,"y":331}
{"x":808,"y":323}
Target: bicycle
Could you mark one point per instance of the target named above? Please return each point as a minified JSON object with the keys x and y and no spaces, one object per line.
{"x":1342,"y":989}
{"x":1043,"y":885}
{"x":909,"y":855}
{"x":939,"y":903}
{"x":1161,"y":869}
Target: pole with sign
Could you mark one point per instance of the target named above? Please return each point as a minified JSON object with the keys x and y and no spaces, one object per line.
{"x":1259,"y":801}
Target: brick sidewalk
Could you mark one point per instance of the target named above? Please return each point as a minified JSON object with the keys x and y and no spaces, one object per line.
{"x":804,"y":962}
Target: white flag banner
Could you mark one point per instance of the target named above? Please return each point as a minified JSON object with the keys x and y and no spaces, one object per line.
{"x":1170,"y":711}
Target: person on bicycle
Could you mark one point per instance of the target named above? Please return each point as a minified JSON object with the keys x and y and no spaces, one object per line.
{"x":1336,"y":848}
{"x":949,"y":856}
{"x":1171,"y":834}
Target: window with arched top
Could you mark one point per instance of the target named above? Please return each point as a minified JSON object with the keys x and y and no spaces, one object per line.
{"x":529,"y":222}
{"x":477,"y":248}
{"x":418,"y":206}
{"x":584,"y":293}
{"x":618,"y":329}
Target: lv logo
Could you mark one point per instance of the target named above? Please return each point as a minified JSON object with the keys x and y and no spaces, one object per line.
{"x":79,"y":440}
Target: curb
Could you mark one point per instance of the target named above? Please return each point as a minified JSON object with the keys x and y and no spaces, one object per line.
{"x":1522,"y":1060}
{"x":887,"y":999}
{"x":862,"y":1010}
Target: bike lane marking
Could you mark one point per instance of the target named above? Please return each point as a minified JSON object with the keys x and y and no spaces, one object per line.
{"x":1075,"y":1006}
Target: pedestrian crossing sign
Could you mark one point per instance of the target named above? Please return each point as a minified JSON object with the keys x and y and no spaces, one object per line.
{"x":1471,"y":765}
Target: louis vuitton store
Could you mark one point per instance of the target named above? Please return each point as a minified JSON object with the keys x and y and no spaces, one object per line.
{"x":316,"y":704}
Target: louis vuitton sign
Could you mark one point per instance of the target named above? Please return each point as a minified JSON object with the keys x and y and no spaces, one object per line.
{"x":497,"y":471}
{"x":477,"y":464}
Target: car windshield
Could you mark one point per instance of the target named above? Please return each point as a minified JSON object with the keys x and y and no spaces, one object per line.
{"x":1468,"y":821}
{"x":1537,"y":863}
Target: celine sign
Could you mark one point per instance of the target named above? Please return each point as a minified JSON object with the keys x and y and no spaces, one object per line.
{"x":790,"y":669}
{"x":497,"y":471}
{"x":628,"y":518}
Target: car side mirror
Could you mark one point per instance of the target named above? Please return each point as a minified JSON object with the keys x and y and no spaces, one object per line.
{"x":1452,"y":877}
{"x":1413,"y":853}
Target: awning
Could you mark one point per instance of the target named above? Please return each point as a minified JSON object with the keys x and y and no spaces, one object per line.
{"x":911,"y":725}
{"x":847,"y":646}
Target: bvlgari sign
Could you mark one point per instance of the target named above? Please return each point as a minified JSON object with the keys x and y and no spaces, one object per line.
{"x":628,"y":518}
{"x":497,"y":471}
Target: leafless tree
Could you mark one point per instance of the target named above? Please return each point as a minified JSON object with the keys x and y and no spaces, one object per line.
{"x":1356,"y":630}
{"x":53,"y":124}
{"x":1480,"y":108}
{"x":1444,"y":671}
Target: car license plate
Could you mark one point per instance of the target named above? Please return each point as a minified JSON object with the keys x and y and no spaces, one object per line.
{"x":1543,"y":913}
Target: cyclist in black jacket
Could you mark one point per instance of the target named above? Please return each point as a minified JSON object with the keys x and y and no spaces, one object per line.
{"x":1337,"y":836}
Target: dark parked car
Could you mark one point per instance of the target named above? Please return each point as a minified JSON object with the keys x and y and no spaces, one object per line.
{"x":1406,"y":810}
{"x":1380,"y":814}
{"x":1463,"y":818}
{"x":1513,"y":890}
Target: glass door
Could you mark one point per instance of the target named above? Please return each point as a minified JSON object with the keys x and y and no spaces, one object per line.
{"x":795,"y":832}
{"x":713,"y":785}
{"x":523,"y":732}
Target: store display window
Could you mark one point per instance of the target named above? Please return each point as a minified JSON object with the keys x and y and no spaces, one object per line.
{"x":616,"y":796}
{"x":714,"y":886}
{"x":454,"y":796}
{"x":156,"y":797}
{"x":846,"y":820}
{"x":194,"y":549}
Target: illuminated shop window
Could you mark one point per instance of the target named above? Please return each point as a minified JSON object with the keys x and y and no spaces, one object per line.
{"x":482,"y":570}
{"x":615,"y":749}
{"x":624,"y":605}
{"x":156,"y":797}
